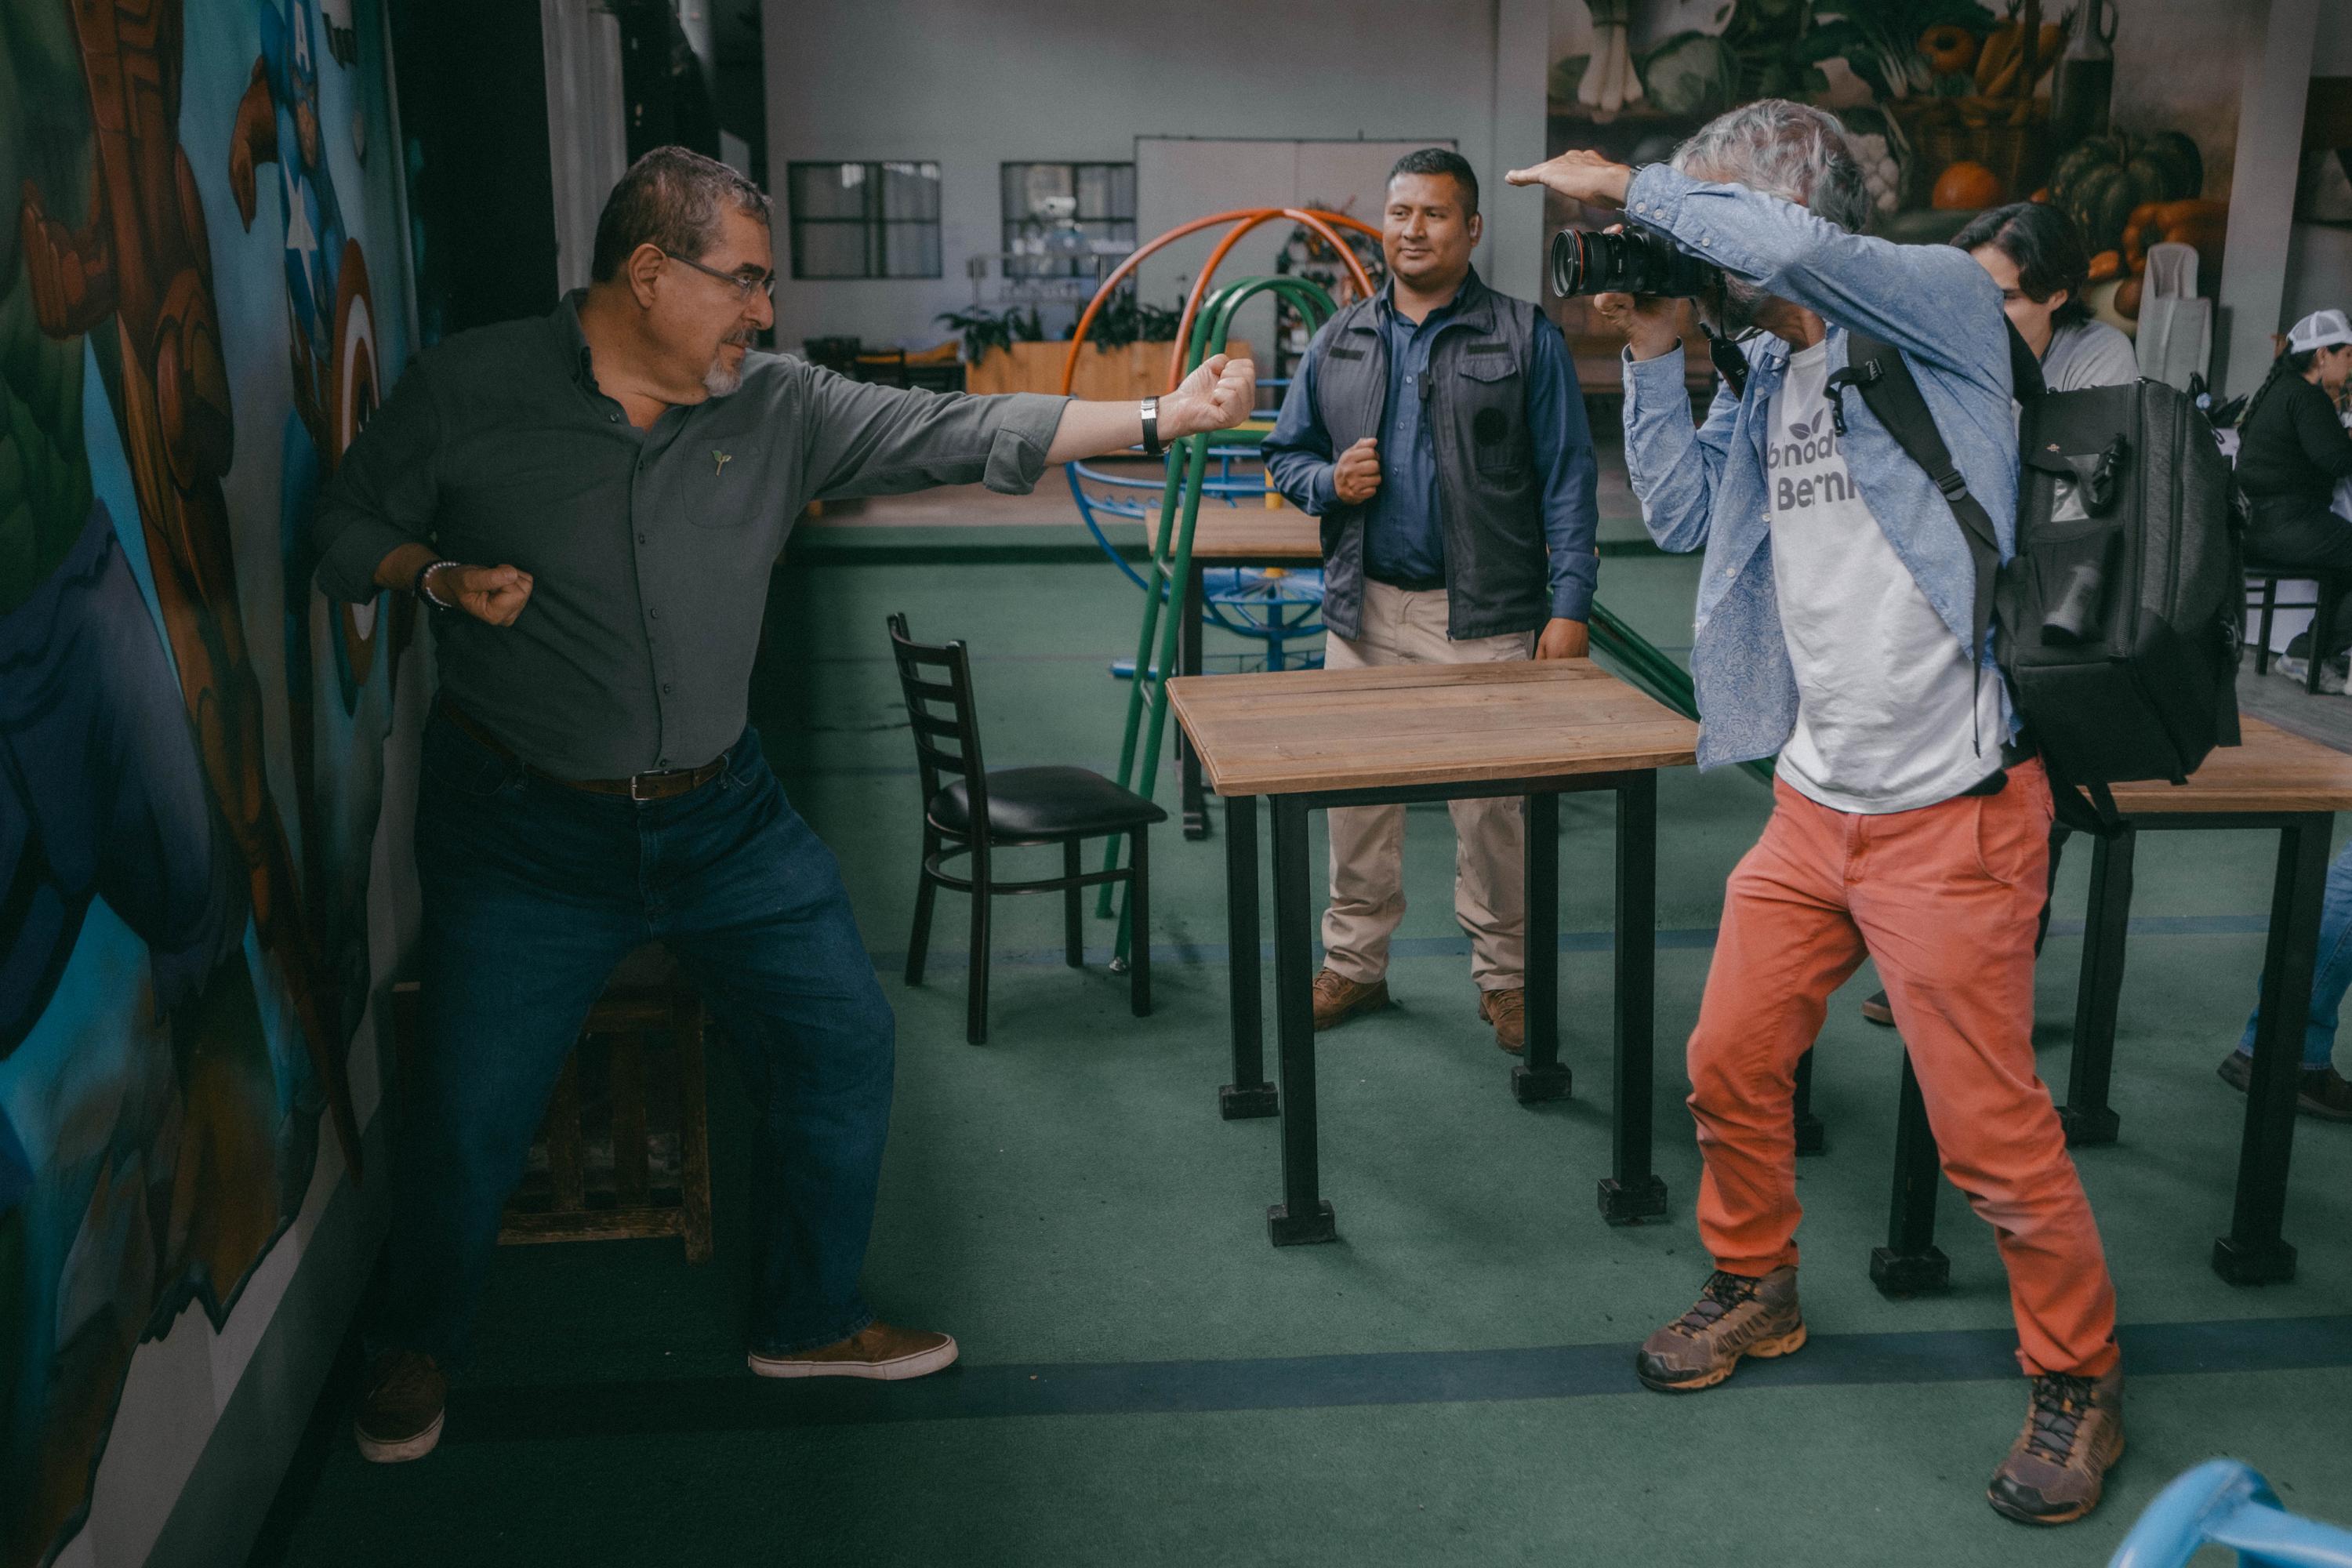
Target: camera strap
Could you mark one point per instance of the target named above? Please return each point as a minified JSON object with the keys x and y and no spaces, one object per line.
{"x":1729,"y":361}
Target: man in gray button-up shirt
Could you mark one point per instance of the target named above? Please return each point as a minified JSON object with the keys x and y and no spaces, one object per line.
{"x":593,"y":500}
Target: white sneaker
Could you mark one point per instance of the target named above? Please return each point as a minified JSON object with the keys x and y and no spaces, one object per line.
{"x":878,"y":1352}
{"x":2293,"y":669}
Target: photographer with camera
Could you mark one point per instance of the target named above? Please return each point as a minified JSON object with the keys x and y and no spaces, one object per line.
{"x":1834,"y":626}
{"x":1437,"y":432}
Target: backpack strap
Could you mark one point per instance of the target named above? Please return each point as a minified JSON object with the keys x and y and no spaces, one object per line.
{"x":1887,"y":385}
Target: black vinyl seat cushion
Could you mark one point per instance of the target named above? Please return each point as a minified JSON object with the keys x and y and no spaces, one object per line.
{"x":1044,"y":803}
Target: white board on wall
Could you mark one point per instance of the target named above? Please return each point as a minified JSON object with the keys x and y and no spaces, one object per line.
{"x":1180,"y":178}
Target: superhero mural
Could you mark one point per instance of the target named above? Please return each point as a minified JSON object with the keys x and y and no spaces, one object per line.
{"x":191,"y":333}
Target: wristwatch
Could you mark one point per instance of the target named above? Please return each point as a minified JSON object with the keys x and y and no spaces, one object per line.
{"x":426,"y":595}
{"x":1152,"y":443}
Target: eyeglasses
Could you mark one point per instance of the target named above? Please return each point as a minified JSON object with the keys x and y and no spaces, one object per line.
{"x":744,"y":285}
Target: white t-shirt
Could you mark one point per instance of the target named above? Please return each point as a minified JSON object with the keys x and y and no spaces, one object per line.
{"x":1890,"y":714}
{"x":2088,"y":353}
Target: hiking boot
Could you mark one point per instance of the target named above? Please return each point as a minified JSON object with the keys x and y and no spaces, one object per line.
{"x":1338,"y":998}
{"x":1880,"y":1011}
{"x":2323,"y":1092}
{"x":401,"y":1404}
{"x":1507,"y":1011}
{"x":2073,"y":1432}
{"x":877,"y":1351}
{"x":1735,"y":1315}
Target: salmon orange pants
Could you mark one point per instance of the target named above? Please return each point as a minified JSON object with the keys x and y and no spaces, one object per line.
{"x":1946,"y":900}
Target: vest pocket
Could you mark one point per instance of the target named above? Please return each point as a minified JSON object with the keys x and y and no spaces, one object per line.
{"x":1493,"y":396}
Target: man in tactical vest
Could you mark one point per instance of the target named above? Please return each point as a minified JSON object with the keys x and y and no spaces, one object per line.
{"x":1437,"y":432}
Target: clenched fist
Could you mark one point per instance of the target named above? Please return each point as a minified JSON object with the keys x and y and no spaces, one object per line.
{"x":1356,"y":478}
{"x":492,"y":594}
{"x":1219,"y":396}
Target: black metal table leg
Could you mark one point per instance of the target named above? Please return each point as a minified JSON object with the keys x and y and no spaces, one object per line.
{"x":1249,"y":1094}
{"x":1812,"y":1135}
{"x":2254,"y":1253}
{"x":1541,"y":1077}
{"x":2086,"y":1115}
{"x":1187,"y":662}
{"x":1633,"y":1191}
{"x":1302,"y":1215}
{"x":1911,"y":1262}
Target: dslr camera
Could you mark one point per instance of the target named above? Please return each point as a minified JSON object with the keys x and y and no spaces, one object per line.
{"x":1635,"y":261}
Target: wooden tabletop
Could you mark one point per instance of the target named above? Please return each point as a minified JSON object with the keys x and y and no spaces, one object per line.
{"x":2273,"y":771}
{"x":1253,"y":533}
{"x":1301,"y":731}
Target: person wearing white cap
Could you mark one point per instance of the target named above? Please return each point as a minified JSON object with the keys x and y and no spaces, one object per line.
{"x":2292,"y":450}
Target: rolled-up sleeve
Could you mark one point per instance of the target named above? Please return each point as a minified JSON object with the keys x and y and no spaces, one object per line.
{"x":867,"y":440}
{"x":384,"y":491}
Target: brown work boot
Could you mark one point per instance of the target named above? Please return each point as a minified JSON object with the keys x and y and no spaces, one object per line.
{"x":2073,"y":1432}
{"x":877,"y":1350}
{"x":1735,"y":1315}
{"x":1507,"y":1011}
{"x":401,"y":1404}
{"x":1338,"y":998}
{"x":2319,"y":1091}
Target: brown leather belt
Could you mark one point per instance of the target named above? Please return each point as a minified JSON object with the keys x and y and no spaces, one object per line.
{"x":663,"y":785}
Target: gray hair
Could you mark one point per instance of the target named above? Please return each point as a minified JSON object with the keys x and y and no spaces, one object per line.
{"x":1792,"y":150}
{"x":670,"y":198}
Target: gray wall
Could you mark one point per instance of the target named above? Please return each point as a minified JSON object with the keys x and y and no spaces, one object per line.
{"x":971,"y":84}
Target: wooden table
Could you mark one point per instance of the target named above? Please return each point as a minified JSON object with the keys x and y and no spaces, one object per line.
{"x":2275,"y":781}
{"x":1309,"y":740}
{"x":1227,"y":536}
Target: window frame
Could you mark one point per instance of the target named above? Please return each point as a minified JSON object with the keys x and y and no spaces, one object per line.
{"x":872,"y":220}
{"x":1031,"y":268}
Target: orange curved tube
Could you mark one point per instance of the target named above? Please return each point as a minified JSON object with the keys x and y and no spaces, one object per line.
{"x":1217,"y":258}
{"x":1118,"y":274}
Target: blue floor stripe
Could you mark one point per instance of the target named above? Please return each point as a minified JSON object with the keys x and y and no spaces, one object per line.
{"x":1670,"y":938}
{"x":677,"y":1406}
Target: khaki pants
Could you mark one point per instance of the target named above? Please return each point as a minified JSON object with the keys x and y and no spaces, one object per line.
{"x":1368,"y":841}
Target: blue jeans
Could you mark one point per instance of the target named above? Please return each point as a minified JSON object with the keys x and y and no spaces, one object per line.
{"x":533,"y":892}
{"x":2331,"y":973}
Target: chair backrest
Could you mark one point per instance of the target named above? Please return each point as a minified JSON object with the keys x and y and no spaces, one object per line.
{"x":936,"y":680}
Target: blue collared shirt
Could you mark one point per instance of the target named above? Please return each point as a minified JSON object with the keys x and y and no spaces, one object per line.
{"x":1705,"y":487}
{"x":1404,"y":534}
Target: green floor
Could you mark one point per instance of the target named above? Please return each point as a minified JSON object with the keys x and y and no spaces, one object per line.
{"x":1066,"y":1201}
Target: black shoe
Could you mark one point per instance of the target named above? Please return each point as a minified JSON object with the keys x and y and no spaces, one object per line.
{"x":1878,"y":1011}
{"x":2323,"y":1093}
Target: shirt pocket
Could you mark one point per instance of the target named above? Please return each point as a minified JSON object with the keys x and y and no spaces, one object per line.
{"x":1494,"y":398}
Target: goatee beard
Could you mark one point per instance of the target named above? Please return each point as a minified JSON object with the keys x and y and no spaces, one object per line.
{"x":719,"y":380}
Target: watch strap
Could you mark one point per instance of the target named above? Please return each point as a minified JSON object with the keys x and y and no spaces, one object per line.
{"x":425,"y":595}
{"x":1153,"y":444}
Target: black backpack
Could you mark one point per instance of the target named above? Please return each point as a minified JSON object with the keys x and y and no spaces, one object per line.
{"x":2124,"y":608}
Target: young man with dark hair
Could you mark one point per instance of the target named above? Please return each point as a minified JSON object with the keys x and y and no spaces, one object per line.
{"x":1836,"y":628}
{"x":1437,"y":431}
{"x":591,"y":501}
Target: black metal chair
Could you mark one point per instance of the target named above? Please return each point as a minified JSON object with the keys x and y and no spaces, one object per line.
{"x":2263,"y":601}
{"x":968,"y":810}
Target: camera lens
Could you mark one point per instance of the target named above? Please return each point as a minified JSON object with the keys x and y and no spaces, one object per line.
{"x":1587,"y":261}
{"x":1572,"y":261}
